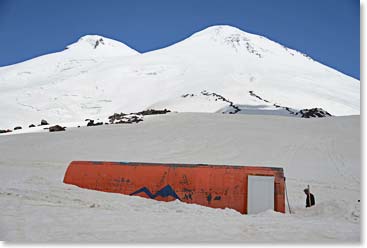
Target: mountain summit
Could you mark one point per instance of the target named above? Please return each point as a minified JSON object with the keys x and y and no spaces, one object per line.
{"x":238,"y":40}
{"x":219,"y":69}
{"x":100,"y":45}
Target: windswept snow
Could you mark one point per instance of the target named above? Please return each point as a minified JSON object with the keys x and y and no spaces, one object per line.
{"x":97,"y":76}
{"x":324,"y":153}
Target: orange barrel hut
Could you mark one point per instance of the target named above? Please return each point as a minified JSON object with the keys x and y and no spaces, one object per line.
{"x":247,"y":189}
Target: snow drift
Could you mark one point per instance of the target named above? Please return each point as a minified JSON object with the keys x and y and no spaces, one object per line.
{"x":37,"y":206}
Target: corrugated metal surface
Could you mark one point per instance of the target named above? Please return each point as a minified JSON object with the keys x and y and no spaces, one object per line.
{"x":217,"y":186}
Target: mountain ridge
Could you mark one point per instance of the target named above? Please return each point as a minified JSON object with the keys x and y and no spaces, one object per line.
{"x":97,"y":76}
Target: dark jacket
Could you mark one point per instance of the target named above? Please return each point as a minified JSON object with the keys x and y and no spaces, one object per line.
{"x":312,"y":200}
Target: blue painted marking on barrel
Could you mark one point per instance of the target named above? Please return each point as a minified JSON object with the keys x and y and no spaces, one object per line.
{"x":164,"y":192}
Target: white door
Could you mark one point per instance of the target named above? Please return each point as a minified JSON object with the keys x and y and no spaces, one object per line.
{"x":260,"y":194}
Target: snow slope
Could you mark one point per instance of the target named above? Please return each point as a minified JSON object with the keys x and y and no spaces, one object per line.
{"x":97,"y":76}
{"x":325,"y":153}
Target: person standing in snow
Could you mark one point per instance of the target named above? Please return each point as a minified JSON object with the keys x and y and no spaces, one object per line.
{"x":310,"y":199}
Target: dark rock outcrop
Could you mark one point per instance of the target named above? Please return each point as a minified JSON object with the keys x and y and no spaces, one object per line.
{"x":56,"y":128}
{"x":43,"y":123}
{"x":116,"y":117}
{"x":5,"y":131}
{"x":235,"y":108}
{"x":129,"y":119}
{"x":17,"y":128}
{"x":303,"y":113}
{"x":91,"y":123}
{"x":122,"y":118}
{"x":313,"y":113}
{"x":187,"y":95}
{"x":153,"y":112}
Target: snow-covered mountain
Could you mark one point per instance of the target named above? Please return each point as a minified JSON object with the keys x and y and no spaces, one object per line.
{"x":219,"y":69}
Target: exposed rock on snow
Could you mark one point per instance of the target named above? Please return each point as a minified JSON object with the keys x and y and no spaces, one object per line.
{"x":5,"y":131}
{"x":303,"y":113}
{"x":221,"y":98}
{"x":128,"y":119}
{"x":123,"y":118}
{"x":91,"y":123}
{"x":137,"y":117}
{"x":315,"y":112}
{"x":153,"y":112}
{"x":116,"y":117}
{"x":56,"y":128}
{"x":43,"y":123}
{"x":100,"y":41}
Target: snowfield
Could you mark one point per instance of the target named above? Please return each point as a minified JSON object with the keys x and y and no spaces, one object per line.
{"x":325,"y":153}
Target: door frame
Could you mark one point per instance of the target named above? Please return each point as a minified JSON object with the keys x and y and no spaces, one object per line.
{"x":247,"y":190}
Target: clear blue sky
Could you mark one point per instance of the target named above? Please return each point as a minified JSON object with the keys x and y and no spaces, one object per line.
{"x":327,"y":30}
